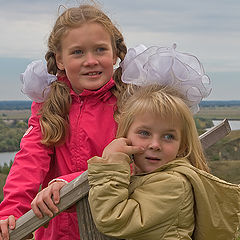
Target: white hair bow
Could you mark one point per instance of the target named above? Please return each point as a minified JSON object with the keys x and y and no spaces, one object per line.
{"x":165,"y":66}
{"x":36,"y":81}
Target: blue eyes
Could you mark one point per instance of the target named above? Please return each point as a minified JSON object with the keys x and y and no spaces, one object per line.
{"x":101,"y":49}
{"x":78,"y":52}
{"x":169,"y":137}
{"x":145,"y":134}
{"x":97,"y":51}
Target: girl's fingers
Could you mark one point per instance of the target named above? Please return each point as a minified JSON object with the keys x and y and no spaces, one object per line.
{"x":39,"y":206}
{"x":56,"y":197}
{"x":4,"y":233}
{"x":36,"y":211}
{"x":123,"y":145}
{"x":56,"y":187}
{"x":137,"y":149}
{"x":46,"y":200}
{"x":11,"y":222}
{"x":44,"y":208}
{"x":34,"y":206}
{"x":48,"y":207}
{"x":133,"y":149}
{"x":127,"y":141}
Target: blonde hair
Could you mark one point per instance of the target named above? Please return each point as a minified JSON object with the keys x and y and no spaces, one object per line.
{"x":54,"y":113}
{"x":167,"y":103}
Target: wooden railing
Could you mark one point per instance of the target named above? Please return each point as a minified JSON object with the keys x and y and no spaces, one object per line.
{"x":76,"y":192}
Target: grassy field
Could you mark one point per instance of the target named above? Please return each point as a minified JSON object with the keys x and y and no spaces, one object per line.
{"x":205,"y":112}
{"x":220,"y":113}
{"x":15,"y":114}
{"x":227,"y":170}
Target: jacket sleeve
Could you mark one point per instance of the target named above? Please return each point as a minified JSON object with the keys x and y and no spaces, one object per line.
{"x":155,"y":203}
{"x":28,"y":171}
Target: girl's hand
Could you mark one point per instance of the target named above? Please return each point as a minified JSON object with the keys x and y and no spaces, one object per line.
{"x":45,"y":201}
{"x":121,"y":145}
{"x":9,"y":223}
{"x":5,"y":225}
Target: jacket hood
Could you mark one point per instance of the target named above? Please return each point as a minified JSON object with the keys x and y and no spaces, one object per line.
{"x":217,"y":202}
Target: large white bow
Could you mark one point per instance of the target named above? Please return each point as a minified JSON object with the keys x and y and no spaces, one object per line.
{"x":36,"y":81}
{"x":167,"y":67}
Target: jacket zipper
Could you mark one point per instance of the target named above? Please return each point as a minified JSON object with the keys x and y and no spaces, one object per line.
{"x":78,"y":131}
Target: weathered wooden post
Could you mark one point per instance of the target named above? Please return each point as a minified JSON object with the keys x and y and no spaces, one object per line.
{"x":87,"y":228}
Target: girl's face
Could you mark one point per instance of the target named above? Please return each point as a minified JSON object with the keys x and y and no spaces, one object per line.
{"x":160,"y":138}
{"x":87,"y":57}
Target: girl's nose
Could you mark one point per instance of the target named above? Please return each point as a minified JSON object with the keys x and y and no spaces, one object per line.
{"x":155,"y":145}
{"x":90,"y":60}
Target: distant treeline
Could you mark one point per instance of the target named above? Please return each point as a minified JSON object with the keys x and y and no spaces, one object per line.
{"x":15,"y":105}
{"x":220,"y":103}
{"x":19,"y":105}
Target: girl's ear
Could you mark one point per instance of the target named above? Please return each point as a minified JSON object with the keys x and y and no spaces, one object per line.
{"x":59,"y":62}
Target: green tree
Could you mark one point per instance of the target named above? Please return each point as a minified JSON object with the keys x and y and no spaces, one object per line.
{"x":11,"y":134}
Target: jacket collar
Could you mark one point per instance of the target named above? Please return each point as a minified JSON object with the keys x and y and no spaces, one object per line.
{"x":171,"y":164}
{"x":102,"y":93}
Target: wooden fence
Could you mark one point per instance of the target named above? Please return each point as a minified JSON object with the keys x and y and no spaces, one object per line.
{"x":76,"y":192}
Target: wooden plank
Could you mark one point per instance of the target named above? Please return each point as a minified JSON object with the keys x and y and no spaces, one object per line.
{"x":215,"y":134}
{"x":70,"y":194}
{"x":87,"y":228}
{"x":78,"y":189}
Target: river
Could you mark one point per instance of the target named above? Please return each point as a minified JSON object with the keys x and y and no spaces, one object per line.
{"x":234,"y":124}
{"x":6,"y":157}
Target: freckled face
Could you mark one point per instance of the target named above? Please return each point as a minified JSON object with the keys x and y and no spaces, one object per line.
{"x":87,"y":57}
{"x":158,"y":136}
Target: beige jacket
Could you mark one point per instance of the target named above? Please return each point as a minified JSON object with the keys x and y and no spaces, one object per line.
{"x":160,"y":205}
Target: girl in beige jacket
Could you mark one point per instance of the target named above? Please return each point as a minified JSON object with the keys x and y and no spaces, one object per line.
{"x":171,"y":194}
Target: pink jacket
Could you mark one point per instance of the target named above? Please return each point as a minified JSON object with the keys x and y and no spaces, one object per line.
{"x":92,"y":127}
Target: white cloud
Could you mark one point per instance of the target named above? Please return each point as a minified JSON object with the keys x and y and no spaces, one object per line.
{"x":22,"y":38}
{"x":219,"y":54}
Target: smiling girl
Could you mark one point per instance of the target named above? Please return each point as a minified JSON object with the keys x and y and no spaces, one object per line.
{"x":72,"y":117}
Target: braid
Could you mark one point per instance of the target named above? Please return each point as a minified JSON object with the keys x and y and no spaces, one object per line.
{"x":54,"y":114}
{"x":55,"y":110}
{"x":120,"y":88}
{"x":121,"y":51}
{"x":51,"y":62}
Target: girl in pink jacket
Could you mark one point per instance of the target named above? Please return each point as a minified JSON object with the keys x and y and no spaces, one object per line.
{"x":72,"y":114}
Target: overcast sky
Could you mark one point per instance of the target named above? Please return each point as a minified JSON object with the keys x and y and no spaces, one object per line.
{"x":208,"y":29}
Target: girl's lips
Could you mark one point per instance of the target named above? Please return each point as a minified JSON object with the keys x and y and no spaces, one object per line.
{"x":92,"y":73}
{"x":153,"y":158}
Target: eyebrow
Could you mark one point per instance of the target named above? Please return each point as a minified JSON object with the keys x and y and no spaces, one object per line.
{"x":77,"y":46}
{"x":143,"y":126}
{"x":167,"y":130}
{"x":100,"y":43}
{"x":171,"y":130}
{"x":74,"y":47}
